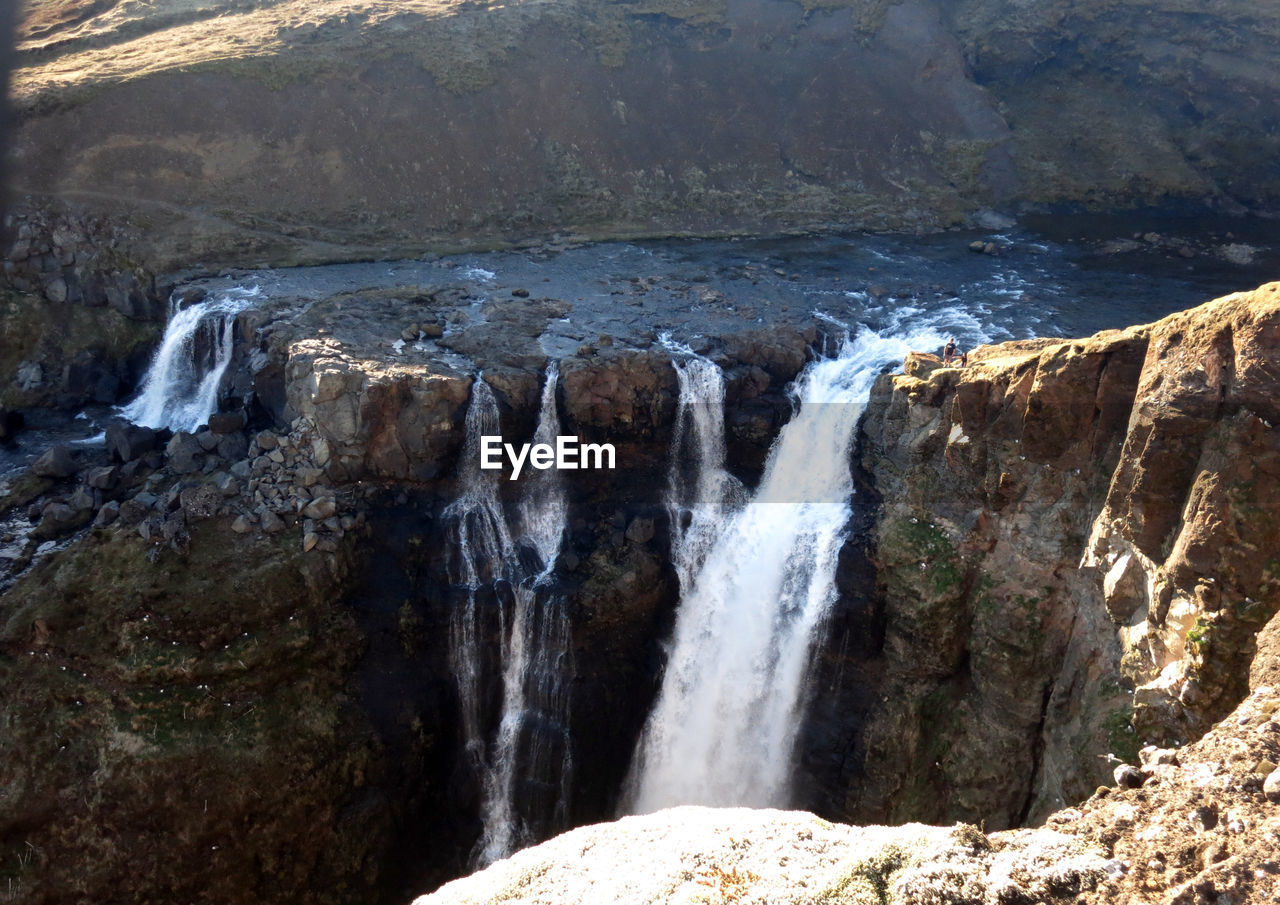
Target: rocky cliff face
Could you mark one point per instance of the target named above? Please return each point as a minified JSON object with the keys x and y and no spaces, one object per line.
{"x":1063,"y":554}
{"x":239,"y":132}
{"x":1073,"y":554}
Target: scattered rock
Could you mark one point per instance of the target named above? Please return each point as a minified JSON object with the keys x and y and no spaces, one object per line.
{"x":200,"y":502}
{"x":226,"y":422}
{"x":233,"y":446}
{"x":81,"y":500}
{"x":1128,"y":777}
{"x":1271,"y":786}
{"x":266,"y":440}
{"x":520,"y":293}
{"x":640,"y":531}
{"x":57,"y":519}
{"x":241,"y":525}
{"x":208,"y":440}
{"x":185,"y":453}
{"x":127,"y":442}
{"x":102,"y":478}
{"x":320,"y":509}
{"x":309,"y":541}
{"x":272,"y":523}
{"x":57,"y":462}
{"x":107,"y":515}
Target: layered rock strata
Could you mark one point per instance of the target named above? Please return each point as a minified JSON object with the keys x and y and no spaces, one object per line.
{"x":1075,"y":550}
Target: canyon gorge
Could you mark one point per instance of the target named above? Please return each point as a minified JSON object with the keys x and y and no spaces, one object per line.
{"x":1006,"y":632}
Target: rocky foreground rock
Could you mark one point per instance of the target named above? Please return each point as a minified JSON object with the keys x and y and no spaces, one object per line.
{"x":1199,"y":825}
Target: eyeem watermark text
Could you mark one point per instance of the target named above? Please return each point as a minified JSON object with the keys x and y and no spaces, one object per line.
{"x":567,"y":455}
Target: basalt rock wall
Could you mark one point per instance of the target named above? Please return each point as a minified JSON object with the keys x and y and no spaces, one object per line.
{"x":1074,"y":551}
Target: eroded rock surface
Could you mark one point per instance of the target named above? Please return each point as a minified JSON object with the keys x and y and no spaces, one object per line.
{"x":1074,"y":555}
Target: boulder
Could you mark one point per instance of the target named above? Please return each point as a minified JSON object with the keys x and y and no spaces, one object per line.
{"x":102,"y":478}
{"x":107,"y":515}
{"x":58,"y":519}
{"x":57,"y":462}
{"x":126,"y":442}
{"x":232,"y":446}
{"x":226,"y":422}
{"x":184,"y":453}
{"x":320,"y":509}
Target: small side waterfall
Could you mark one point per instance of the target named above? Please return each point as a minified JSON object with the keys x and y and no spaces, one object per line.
{"x":180,"y":389}
{"x":701,"y":493}
{"x":525,"y":761}
{"x":724,"y":726}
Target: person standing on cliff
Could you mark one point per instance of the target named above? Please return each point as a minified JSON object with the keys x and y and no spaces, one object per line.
{"x":951,"y":354}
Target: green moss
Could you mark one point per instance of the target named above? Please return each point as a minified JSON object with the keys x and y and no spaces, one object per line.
{"x":1122,"y":739}
{"x":927,"y":546}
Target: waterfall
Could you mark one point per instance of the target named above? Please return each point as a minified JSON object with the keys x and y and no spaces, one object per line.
{"x":525,"y":770}
{"x":700,"y":504}
{"x":180,"y":389}
{"x":724,"y":725}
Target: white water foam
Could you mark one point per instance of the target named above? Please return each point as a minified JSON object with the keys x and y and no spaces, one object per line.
{"x":180,"y":389}
{"x":724,"y":726}
{"x":525,"y":762}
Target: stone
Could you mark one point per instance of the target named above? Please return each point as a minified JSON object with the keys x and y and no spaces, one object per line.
{"x":309,"y":541}
{"x":227,"y":484}
{"x":184,"y":453}
{"x":147,"y":499}
{"x":272,"y":523}
{"x":56,"y":462}
{"x":1271,"y":786}
{"x":233,"y":446}
{"x":242,"y":469}
{"x":132,"y":512}
{"x":200,"y":502}
{"x":320,"y":509}
{"x":208,"y":440}
{"x":241,"y":525}
{"x":127,"y":442}
{"x":81,"y":499}
{"x":1128,"y":777}
{"x":308,"y":477}
{"x":266,"y":440}
{"x":57,"y":519}
{"x":151,"y":529}
{"x":107,"y":515}
{"x":1204,"y":818}
{"x":640,"y":531}
{"x":104,"y":477}
{"x":226,"y":422}
{"x":432,"y":331}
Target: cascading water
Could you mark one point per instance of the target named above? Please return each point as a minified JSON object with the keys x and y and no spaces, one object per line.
{"x":724,"y":726}
{"x":701,"y":493}
{"x":180,"y":389}
{"x":526,"y":769}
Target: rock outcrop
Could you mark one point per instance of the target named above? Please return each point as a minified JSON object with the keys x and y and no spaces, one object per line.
{"x":1074,"y":553}
{"x":1199,"y":826}
{"x":690,"y":855}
